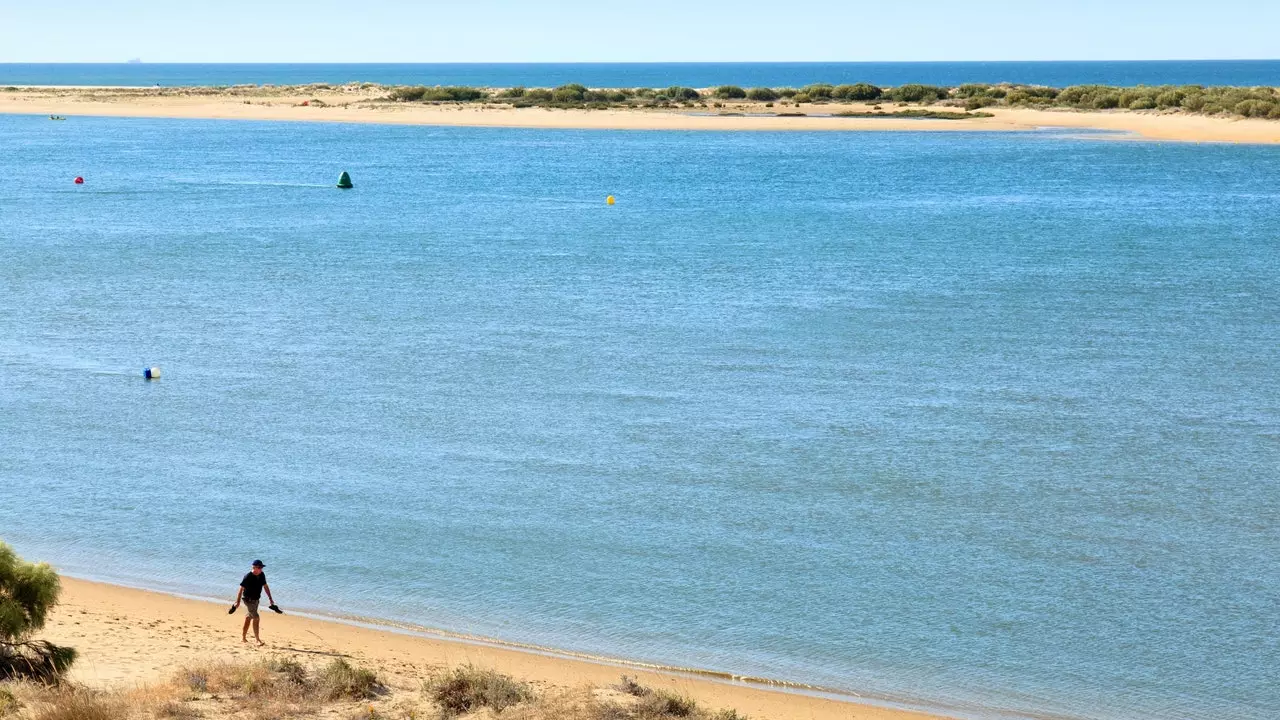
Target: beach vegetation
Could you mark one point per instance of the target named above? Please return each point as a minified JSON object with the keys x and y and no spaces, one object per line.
{"x":468,"y":688}
{"x":422,"y":93}
{"x":645,"y":703}
{"x":915,"y":113}
{"x":915,"y":92}
{"x":513,"y":92}
{"x":28,"y":592}
{"x":676,"y":92}
{"x":858,"y":92}
{"x":762,"y":93}
{"x":969,"y":90}
{"x":787,"y":92}
{"x":340,"y":679}
{"x":284,"y":688}
{"x":729,"y":92}
{"x":800,"y":97}
{"x":82,"y":704}
{"x":818,"y":91}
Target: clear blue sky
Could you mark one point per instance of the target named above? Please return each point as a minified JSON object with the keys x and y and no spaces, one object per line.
{"x":654,"y":30}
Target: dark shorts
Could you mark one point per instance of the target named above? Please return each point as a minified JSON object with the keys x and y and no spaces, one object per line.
{"x":251,"y":607}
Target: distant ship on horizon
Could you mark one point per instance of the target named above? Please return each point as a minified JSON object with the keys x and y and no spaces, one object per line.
{"x":134,"y":61}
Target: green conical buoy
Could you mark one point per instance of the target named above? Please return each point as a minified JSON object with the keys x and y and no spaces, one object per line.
{"x":344,"y":181}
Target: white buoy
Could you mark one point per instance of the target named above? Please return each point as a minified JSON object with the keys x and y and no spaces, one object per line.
{"x":151,"y":373}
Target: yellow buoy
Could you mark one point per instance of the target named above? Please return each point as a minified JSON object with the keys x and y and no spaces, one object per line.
{"x":609,"y":200}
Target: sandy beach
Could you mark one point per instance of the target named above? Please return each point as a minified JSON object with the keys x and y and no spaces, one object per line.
{"x":354,"y":104}
{"x":129,"y":638}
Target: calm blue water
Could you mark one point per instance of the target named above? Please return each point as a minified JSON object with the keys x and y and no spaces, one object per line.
{"x":1057,"y":74}
{"x":990,"y":422}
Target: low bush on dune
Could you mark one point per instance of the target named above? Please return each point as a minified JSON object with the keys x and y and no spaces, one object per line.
{"x":283,"y":679}
{"x":654,"y":704}
{"x":676,"y":92}
{"x":818,"y":91}
{"x":339,"y":679}
{"x":436,"y":94}
{"x":469,"y":688}
{"x":729,"y":92}
{"x":915,"y":92}
{"x":860,"y":92}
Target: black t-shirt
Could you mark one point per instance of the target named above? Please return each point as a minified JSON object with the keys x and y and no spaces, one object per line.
{"x":252,"y":585}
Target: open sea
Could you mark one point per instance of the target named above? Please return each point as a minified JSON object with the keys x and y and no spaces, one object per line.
{"x":1055,"y":74}
{"x":985,"y":423}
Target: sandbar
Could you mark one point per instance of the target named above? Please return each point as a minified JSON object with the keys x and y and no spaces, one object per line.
{"x":358,"y":104}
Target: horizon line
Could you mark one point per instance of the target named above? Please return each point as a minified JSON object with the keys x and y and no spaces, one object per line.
{"x":138,"y":61}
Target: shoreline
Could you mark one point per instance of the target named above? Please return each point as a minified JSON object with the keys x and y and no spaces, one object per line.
{"x":357,"y":105}
{"x":99,"y":619}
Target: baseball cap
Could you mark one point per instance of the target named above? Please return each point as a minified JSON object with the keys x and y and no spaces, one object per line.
{"x":258,"y":563}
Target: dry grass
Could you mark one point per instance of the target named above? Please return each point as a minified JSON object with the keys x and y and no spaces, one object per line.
{"x":469,"y":688}
{"x":79,"y":704}
{"x":285,"y":689}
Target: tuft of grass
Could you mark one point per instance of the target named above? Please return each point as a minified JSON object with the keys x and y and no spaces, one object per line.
{"x":629,"y":686}
{"x":339,"y":679}
{"x":290,"y":669}
{"x":174,"y":710}
{"x":82,"y":705}
{"x":662,"y":704}
{"x":8,"y":703}
{"x":468,"y":688}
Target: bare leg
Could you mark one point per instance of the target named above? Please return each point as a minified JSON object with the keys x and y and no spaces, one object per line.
{"x":245,"y":630}
{"x":255,"y":632}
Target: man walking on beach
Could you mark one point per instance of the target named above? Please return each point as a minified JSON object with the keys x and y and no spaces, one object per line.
{"x":251,"y":587}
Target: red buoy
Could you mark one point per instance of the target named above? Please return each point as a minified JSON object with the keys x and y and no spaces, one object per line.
{"x":79,"y":180}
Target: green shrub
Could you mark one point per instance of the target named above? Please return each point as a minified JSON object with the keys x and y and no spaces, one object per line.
{"x":729,"y":92}
{"x":513,"y":92}
{"x":787,"y":92}
{"x":1170,"y":98}
{"x":1142,"y":103}
{"x":1254,"y":108}
{"x":468,"y":688}
{"x":538,"y":95}
{"x":407,"y":94}
{"x":339,"y":679}
{"x":979,"y":101}
{"x":452,"y":94}
{"x":915,"y":92}
{"x":762,"y":93}
{"x":969,"y":90}
{"x":860,"y":92}
{"x":572,"y":92}
{"x":676,"y":92}
{"x":818,"y":91}
{"x":1107,"y":101}
{"x":1194,"y":103}
{"x":800,"y":97}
